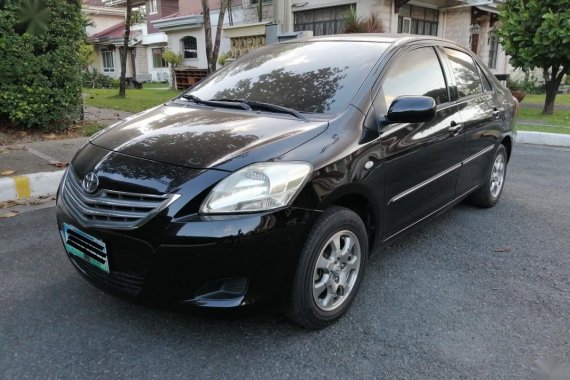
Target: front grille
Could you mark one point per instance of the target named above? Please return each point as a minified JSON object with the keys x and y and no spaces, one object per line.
{"x":110,"y":208}
{"x":126,"y":283}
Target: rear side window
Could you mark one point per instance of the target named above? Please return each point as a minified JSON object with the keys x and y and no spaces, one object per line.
{"x":487,"y":87}
{"x":465,"y":72}
{"x":417,"y":72}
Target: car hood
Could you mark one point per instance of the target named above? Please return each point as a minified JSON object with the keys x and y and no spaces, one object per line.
{"x":200,"y":138}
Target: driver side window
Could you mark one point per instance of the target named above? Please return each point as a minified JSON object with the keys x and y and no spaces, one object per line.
{"x":417,"y":72}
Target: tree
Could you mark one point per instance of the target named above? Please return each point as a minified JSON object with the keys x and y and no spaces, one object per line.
{"x":124,"y":51}
{"x":212,"y":51}
{"x":536,"y":34}
{"x":174,"y":59}
{"x":40,"y":66}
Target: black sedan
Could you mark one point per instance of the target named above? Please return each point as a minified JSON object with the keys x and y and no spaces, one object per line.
{"x":274,"y":178}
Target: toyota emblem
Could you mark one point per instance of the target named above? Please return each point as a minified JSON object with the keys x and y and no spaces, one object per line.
{"x":90,"y":182}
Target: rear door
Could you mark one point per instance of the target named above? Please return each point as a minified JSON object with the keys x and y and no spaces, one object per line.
{"x":421,"y":159}
{"x":480,"y":115}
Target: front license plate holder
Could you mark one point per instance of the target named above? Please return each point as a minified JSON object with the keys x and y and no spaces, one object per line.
{"x":86,"y":247}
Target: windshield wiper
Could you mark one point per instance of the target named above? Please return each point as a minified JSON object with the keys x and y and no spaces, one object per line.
{"x":217,"y":103}
{"x":266,"y":106}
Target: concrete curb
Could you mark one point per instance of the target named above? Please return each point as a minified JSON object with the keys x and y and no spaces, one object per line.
{"x":29,"y":185}
{"x":543,"y":138}
{"x":46,"y":183}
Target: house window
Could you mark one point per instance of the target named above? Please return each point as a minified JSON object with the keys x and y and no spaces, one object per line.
{"x":322,"y":21}
{"x":153,"y":7}
{"x":189,"y":47}
{"x":108,"y":64}
{"x":493,"y":50}
{"x":157,"y":60}
{"x":418,"y":20}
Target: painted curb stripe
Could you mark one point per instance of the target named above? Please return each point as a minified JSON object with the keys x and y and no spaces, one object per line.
{"x":22,"y":184}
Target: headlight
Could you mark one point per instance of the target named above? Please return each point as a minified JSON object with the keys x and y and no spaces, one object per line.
{"x":258,"y":187}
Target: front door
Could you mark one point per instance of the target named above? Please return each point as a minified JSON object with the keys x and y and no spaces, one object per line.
{"x":421,"y":159}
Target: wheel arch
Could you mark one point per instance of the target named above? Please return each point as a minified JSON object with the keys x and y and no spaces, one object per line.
{"x":363,"y":204}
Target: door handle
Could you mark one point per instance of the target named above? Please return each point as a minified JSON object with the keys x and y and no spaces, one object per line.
{"x":454,"y":128}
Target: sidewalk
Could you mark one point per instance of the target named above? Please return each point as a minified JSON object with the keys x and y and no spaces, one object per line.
{"x":34,"y":168}
{"x":31,"y":169}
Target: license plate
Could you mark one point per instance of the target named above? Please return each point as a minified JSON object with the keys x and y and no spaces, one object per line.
{"x":86,"y":247}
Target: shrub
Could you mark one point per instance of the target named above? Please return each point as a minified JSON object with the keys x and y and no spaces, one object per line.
{"x":94,"y":79}
{"x":369,"y":24}
{"x":528,"y":84}
{"x":40,"y":69}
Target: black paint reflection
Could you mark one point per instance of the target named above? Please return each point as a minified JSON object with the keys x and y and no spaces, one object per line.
{"x":466,"y":74}
{"x":311,"y":91}
{"x":319,"y":77}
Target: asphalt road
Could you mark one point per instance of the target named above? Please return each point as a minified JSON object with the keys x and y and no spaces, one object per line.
{"x":474,"y":294}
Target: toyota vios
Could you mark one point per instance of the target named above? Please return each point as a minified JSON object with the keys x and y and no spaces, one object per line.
{"x":274,"y":178}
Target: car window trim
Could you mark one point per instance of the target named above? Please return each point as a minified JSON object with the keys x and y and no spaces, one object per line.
{"x":453,"y":72}
{"x":483,"y":74}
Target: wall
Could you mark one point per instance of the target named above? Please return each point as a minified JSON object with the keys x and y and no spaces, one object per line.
{"x":250,"y":11}
{"x":102,"y":22}
{"x":165,"y":8}
{"x":141,"y":61}
{"x":174,"y":43}
{"x":363,"y":9}
{"x":158,"y":74}
{"x":457,"y":23}
{"x":201,"y":62}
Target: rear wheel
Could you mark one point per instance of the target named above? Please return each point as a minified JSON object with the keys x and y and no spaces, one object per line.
{"x":330,"y":269}
{"x":488,"y":195}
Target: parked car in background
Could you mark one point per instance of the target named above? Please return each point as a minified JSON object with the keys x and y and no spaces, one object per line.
{"x":275,"y":178}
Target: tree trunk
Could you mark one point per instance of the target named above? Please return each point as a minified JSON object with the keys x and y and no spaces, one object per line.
{"x":173,"y":77}
{"x":216,"y":50}
{"x":552,"y":89}
{"x":122,"y":82}
{"x":133,"y":63}
{"x":208,"y":35}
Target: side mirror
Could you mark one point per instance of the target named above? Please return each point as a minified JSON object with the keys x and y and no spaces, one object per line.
{"x":411,"y":109}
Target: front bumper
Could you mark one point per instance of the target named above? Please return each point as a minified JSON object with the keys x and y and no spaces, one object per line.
{"x":222,"y":261}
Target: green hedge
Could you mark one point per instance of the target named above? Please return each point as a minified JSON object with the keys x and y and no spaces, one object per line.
{"x":40,"y":70}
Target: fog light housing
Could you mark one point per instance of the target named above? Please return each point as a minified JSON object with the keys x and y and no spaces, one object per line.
{"x":227,"y":292}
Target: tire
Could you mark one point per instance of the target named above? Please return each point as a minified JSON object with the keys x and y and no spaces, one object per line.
{"x":488,"y":195}
{"x":314,"y":303}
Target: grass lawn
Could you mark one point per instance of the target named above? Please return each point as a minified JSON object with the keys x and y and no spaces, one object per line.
{"x":557,"y":123}
{"x":561,"y":99}
{"x":135,"y":101}
{"x":560,"y":117}
{"x":540,"y":128}
{"x":156,"y":85}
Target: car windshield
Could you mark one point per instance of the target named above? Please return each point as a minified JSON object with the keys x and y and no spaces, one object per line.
{"x":313,"y":77}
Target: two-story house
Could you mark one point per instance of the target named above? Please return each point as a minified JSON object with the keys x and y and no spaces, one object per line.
{"x":468,"y":22}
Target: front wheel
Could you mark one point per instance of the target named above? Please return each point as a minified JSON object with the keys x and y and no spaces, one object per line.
{"x":488,"y":195}
{"x":330,"y":269}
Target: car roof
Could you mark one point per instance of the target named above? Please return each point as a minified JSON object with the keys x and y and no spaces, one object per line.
{"x":387,"y":38}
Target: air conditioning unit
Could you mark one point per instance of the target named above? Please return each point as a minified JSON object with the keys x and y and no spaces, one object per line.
{"x":294,"y":35}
